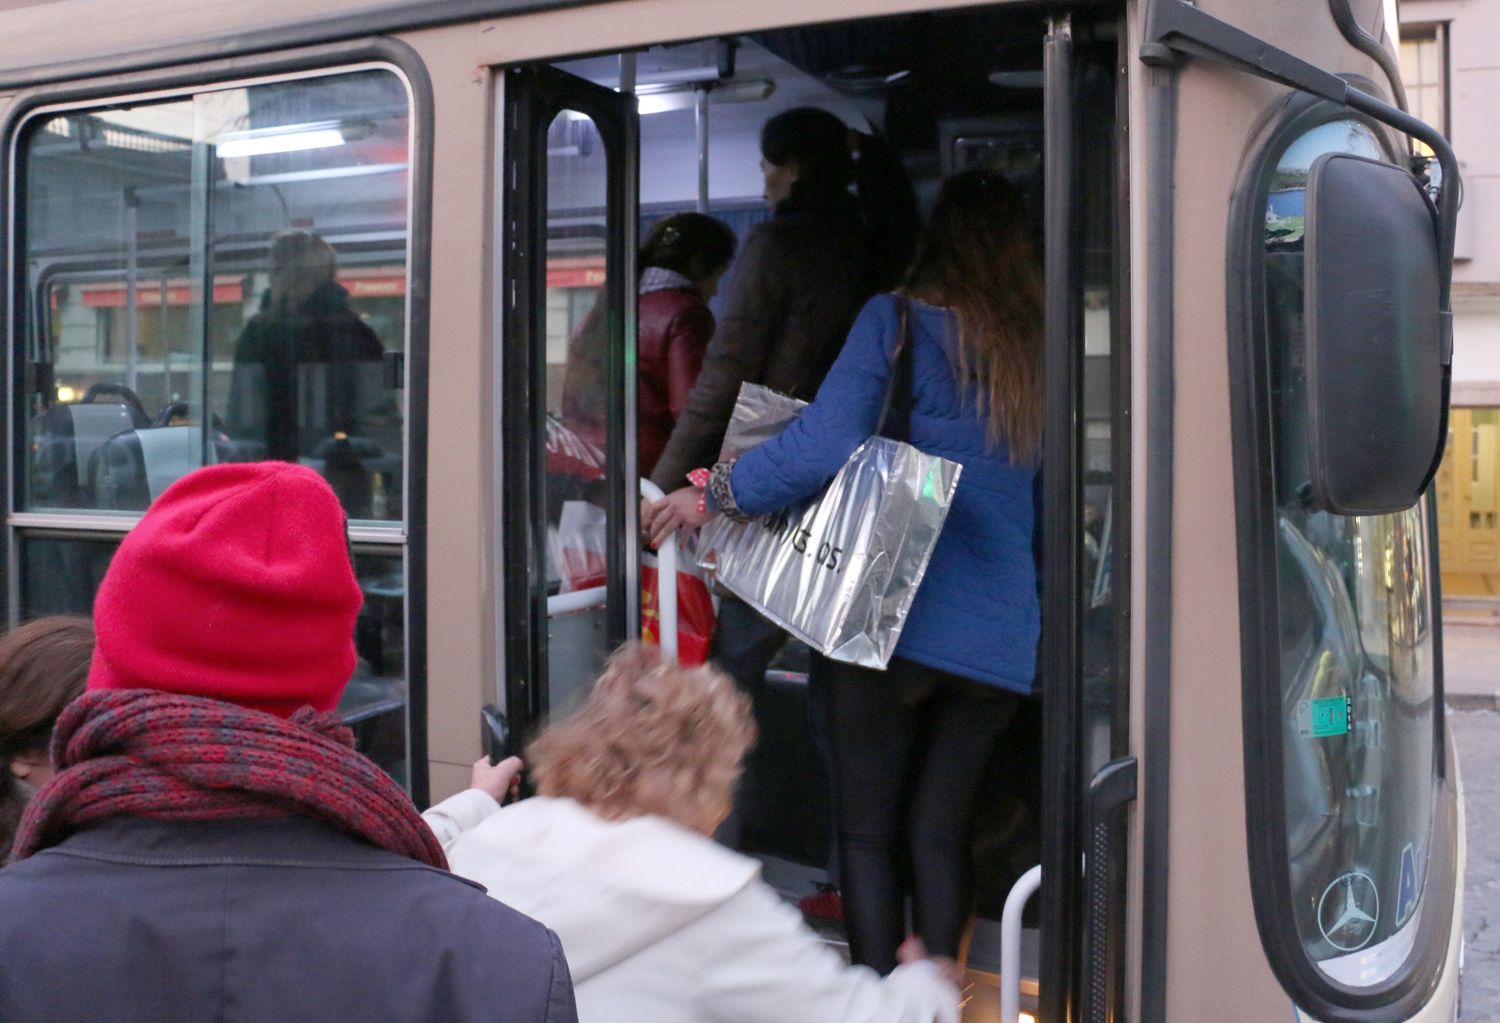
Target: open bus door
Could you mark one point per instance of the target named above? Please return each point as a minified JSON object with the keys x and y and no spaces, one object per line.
{"x":569,"y":567}
{"x":568,"y":196}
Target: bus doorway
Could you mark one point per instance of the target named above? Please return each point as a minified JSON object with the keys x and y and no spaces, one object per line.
{"x":597,"y":150}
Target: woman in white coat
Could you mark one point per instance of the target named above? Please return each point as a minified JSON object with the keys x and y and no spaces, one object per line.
{"x":658,"y":922}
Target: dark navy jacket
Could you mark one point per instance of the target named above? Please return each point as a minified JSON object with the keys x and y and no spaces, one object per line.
{"x":976,"y":613}
{"x":281,"y":920}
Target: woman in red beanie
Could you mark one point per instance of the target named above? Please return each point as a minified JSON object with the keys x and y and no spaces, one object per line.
{"x":204,"y":788}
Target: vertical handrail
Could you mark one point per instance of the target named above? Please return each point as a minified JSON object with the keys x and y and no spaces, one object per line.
{"x":666,"y":581}
{"x":1010,"y":943}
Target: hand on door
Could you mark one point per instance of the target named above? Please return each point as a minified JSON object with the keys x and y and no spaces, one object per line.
{"x":501,"y":782}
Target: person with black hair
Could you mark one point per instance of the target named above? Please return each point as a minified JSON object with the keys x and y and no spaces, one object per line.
{"x":799,"y":282}
{"x":801,"y":277}
{"x":682,"y":259}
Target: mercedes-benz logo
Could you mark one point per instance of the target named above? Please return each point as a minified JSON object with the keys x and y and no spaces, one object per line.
{"x":1347,"y":911}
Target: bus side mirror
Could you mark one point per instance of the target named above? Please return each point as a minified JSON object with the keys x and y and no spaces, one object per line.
{"x":1378,"y":340}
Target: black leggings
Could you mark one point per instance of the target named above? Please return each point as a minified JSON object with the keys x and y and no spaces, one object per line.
{"x":910,"y":747}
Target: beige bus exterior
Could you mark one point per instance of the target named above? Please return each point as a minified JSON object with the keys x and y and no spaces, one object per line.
{"x":1216,"y":968}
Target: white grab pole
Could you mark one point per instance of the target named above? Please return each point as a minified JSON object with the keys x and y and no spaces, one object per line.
{"x":1010,"y":944}
{"x":666,"y":581}
{"x":577,"y":600}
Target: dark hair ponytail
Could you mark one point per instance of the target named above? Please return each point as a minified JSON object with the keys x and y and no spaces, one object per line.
{"x":818,"y":141}
{"x":889,"y":204}
{"x":692,"y":244}
{"x":830,"y":157}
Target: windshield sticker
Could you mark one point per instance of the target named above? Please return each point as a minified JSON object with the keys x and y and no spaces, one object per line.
{"x":1406,"y":894}
{"x":1321,"y":719}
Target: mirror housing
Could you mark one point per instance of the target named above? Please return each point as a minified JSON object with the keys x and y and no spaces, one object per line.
{"x":1379,"y":343}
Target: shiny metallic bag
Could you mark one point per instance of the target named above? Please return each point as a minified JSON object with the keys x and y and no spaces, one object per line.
{"x":838,"y":572}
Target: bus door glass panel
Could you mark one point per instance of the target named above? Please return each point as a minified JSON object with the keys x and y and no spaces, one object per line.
{"x":1356,"y":643}
{"x":571,"y":230}
{"x":219,"y":277}
{"x":579,"y":326}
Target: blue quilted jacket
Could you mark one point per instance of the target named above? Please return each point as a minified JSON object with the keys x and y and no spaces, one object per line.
{"x":976,"y":613}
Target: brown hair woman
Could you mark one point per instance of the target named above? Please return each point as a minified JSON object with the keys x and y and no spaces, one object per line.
{"x":910,"y":744}
{"x":43,"y":666}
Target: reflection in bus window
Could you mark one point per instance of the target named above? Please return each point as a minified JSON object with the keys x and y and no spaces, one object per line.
{"x":578,"y":341}
{"x":180,"y":256}
{"x":213,"y":277}
{"x":1355,"y":612}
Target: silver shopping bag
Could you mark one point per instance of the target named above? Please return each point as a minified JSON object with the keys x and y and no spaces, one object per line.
{"x":838,"y":572}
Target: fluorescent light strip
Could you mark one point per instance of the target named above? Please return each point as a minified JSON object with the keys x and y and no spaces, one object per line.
{"x":286,"y":142}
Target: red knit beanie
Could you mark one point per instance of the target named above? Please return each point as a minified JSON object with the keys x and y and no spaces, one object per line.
{"x":236,"y":585}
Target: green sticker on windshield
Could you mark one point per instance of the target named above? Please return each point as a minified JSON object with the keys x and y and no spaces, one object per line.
{"x":1320,"y":719}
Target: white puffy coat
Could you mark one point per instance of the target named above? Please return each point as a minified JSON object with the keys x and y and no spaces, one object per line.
{"x":661,"y":925}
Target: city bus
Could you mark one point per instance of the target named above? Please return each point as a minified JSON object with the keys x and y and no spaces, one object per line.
{"x":1234,"y":798}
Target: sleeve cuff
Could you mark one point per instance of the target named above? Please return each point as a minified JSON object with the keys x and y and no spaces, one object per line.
{"x":720,"y":494}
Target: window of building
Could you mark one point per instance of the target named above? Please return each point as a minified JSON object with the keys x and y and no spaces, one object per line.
{"x":1424,"y":73}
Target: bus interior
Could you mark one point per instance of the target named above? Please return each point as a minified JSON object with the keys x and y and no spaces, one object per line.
{"x":949,"y":92}
{"x":146,"y":265}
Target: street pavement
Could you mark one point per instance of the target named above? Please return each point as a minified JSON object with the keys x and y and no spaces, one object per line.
{"x":1471,"y":687}
{"x":1471,"y":664}
{"x":1476,"y":736}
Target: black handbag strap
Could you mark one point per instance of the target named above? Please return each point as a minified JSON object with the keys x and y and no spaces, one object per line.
{"x":895,"y":410}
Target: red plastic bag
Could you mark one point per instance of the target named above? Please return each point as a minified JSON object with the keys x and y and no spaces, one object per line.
{"x":695,"y":609}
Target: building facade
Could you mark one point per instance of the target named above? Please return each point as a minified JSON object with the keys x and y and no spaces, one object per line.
{"x":1452,"y":77}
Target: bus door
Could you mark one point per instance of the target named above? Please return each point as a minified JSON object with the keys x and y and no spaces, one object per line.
{"x":568,"y":564}
{"x":1084,"y":676}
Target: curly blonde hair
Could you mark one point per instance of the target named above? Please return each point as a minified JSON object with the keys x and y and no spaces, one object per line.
{"x":653,"y":737}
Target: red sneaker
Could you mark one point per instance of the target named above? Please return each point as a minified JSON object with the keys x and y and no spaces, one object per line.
{"x":824,"y":904}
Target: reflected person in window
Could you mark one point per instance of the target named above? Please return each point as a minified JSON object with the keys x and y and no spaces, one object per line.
{"x":306,"y":367}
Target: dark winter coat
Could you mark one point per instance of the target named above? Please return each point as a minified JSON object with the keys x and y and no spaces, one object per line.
{"x":273,"y":357}
{"x":976,"y":613}
{"x":269,"y":920}
{"x":798,"y":282}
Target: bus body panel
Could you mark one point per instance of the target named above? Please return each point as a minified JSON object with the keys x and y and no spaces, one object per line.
{"x":1216,"y":968}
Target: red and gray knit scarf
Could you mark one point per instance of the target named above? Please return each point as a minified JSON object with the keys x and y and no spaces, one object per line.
{"x":142,"y":753}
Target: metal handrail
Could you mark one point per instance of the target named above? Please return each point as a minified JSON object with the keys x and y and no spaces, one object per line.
{"x":1010,"y":943}
{"x":666,"y":581}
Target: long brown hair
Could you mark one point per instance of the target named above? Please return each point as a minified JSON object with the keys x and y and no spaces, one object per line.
{"x":977,"y":259}
{"x":43,"y":667}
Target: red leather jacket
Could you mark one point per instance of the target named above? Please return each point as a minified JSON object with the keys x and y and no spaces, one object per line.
{"x":673,"y":327}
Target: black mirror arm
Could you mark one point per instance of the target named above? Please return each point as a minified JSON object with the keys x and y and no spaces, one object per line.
{"x":1176,"y":29}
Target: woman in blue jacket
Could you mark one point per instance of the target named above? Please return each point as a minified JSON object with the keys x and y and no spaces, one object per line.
{"x":910,"y":744}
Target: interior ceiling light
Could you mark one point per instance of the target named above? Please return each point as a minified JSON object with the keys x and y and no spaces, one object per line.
{"x":659,"y":97}
{"x":289,"y":139}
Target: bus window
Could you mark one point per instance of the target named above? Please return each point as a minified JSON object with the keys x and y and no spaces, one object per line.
{"x":1353,"y":610}
{"x":201,"y":290}
{"x":220,"y":276}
